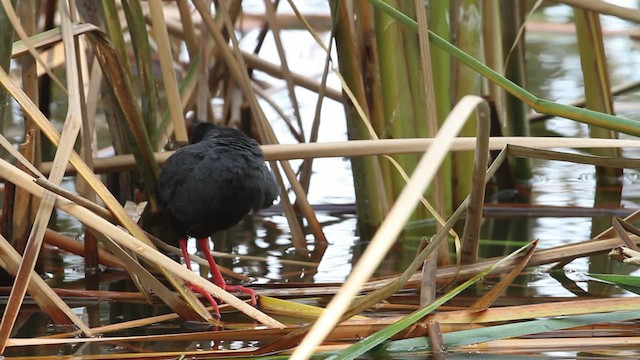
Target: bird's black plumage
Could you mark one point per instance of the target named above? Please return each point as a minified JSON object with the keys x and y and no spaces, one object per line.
{"x":211,"y":184}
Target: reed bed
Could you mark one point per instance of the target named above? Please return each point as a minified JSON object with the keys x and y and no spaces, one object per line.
{"x":144,"y":67}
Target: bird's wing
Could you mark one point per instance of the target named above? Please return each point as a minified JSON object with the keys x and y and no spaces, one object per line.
{"x":176,"y":173}
{"x":270,"y":190}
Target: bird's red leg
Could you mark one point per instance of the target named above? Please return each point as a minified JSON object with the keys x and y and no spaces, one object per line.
{"x":203,"y":243}
{"x":187,"y":261}
{"x":185,"y":253}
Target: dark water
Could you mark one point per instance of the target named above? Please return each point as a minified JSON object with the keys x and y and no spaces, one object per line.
{"x":554,"y":73}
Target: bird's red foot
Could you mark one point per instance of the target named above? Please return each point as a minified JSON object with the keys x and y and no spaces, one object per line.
{"x":207,"y":296}
{"x":217,"y":278}
{"x":242,"y":289}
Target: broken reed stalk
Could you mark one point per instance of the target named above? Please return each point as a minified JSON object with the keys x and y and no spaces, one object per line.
{"x":471,"y":234}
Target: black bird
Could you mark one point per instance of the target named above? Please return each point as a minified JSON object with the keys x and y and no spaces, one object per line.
{"x":212,"y":184}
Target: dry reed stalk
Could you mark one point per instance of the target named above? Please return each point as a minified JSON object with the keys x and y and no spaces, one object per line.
{"x":621,"y":227}
{"x":284,"y":64}
{"x":93,"y":95}
{"x":126,"y":325}
{"x":371,"y":147}
{"x":520,"y":312}
{"x":87,"y":147}
{"x":261,"y":259}
{"x":126,"y":296}
{"x":400,"y":146}
{"x":263,"y":94}
{"x":22,"y":213}
{"x":189,"y":31}
{"x":580,"y":344}
{"x":545,"y":256}
{"x":350,"y":329}
{"x":297,"y":235}
{"x":428,"y":286}
{"x":307,"y":165}
{"x":611,"y":231}
{"x":161,"y":37}
{"x":471,"y":233}
{"x":24,"y":204}
{"x":203,"y":93}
